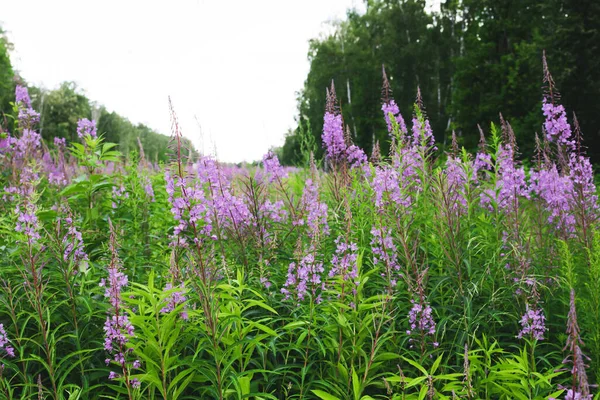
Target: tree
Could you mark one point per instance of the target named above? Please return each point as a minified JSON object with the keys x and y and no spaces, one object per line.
{"x":7,"y":84}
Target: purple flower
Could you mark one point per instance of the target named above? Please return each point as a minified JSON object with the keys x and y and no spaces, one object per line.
{"x":457,"y":185}
{"x":510,"y":185}
{"x":391,"y":112}
{"x":581,"y":175}
{"x":22,"y":96}
{"x":333,"y":137}
{"x":386,"y":187}
{"x":60,"y":142}
{"x":174,"y":298}
{"x":274,"y":170}
{"x":344,"y":262}
{"x":573,"y":395}
{"x":385,"y":252}
{"x":117,"y":328}
{"x":148,"y":189}
{"x":356,"y":156}
{"x":86,"y":127}
{"x":533,"y":323}
{"x":315,"y":211}
{"x":5,"y":343}
{"x":420,"y":319}
{"x":73,"y":244}
{"x":304,"y":278}
{"x":119,"y":194}
{"x":483,"y":162}
{"x":28,"y":117}
{"x":556,"y":125}
{"x":422,"y":133}
{"x":556,"y":192}
{"x":27,"y":143}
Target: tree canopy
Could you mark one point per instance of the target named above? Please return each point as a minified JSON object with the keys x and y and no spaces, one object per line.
{"x":472,"y":60}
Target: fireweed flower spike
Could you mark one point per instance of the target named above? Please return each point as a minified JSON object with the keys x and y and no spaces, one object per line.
{"x":73,"y":244}
{"x":273,"y":168}
{"x":344,"y":262}
{"x":390,"y":109}
{"x":333,"y":129}
{"x":580,"y":387}
{"x":28,"y":117}
{"x":483,"y":161}
{"x":22,"y":97}
{"x":555,"y":191}
{"x":421,"y":129}
{"x":118,"y":330}
{"x":533,"y":323}
{"x":86,"y":127}
{"x":556,"y":126}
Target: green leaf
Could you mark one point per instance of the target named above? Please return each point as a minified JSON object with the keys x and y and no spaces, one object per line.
{"x":325,"y":396}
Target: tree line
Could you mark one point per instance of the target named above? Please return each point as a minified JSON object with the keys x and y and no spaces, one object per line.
{"x":61,"y":108}
{"x":471,"y":60}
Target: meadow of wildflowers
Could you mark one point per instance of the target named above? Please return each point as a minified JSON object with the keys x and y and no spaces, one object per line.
{"x":418,"y":274}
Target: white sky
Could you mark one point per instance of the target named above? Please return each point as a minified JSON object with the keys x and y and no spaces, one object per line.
{"x":233,"y":65}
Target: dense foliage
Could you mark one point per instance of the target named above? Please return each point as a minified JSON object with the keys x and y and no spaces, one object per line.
{"x":472,"y":60}
{"x":401,"y":277}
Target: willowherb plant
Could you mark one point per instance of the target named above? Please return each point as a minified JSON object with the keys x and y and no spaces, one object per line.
{"x":367,"y":279}
{"x":117,"y":328}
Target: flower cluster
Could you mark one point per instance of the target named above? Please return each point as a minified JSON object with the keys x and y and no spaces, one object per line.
{"x":176,"y":297}
{"x":457,"y":180}
{"x":85,"y":127}
{"x":482,"y":162}
{"x":22,"y":97}
{"x":510,"y":185}
{"x":119,"y":194}
{"x":385,"y":252}
{"x":315,"y":211}
{"x":117,"y":327}
{"x":556,"y":125}
{"x":27,"y":117}
{"x":420,"y":320}
{"x":422,"y":133}
{"x":386,"y":187}
{"x":5,"y":343}
{"x":333,"y":137}
{"x":533,"y":323}
{"x":581,"y":175}
{"x":73,"y":244}
{"x":556,"y":191}
{"x":148,"y":189}
{"x":356,"y":156}
{"x":338,"y":146}
{"x":304,"y":278}
{"x":391,"y":112}
{"x":273,"y":168}
{"x":344,"y":262}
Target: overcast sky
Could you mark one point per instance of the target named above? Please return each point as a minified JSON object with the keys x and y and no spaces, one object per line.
{"x":231,"y":67}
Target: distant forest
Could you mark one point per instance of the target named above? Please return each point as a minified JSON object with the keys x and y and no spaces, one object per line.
{"x":61,"y":109}
{"x":472,"y":60}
